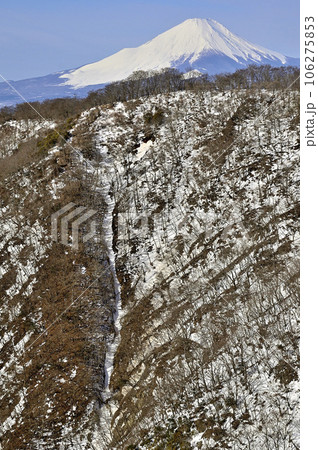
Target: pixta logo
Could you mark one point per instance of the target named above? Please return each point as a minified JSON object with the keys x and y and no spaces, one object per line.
{"x":76,"y":217}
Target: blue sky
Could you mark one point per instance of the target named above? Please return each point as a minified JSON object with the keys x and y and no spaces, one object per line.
{"x":42,"y":37}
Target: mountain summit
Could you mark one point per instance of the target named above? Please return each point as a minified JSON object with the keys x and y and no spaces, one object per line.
{"x":203,"y":45}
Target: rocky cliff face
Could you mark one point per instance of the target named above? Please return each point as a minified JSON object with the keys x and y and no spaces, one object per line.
{"x":201,"y":335}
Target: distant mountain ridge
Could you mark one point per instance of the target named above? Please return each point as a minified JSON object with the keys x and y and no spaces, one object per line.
{"x":203,"y":45}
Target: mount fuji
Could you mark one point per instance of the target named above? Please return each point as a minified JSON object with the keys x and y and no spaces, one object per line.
{"x":202,"y":45}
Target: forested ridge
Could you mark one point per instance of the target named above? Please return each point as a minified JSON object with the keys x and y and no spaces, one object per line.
{"x":196,"y":187}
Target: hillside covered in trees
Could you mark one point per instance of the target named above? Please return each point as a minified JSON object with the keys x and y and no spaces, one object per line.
{"x":176,"y":326}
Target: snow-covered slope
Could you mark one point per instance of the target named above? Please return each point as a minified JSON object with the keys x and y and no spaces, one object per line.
{"x":196,"y":44}
{"x":184,"y":331}
{"x":201,"y":44}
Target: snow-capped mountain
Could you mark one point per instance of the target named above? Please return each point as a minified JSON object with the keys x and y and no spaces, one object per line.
{"x":201,"y":44}
{"x":196,"y":44}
